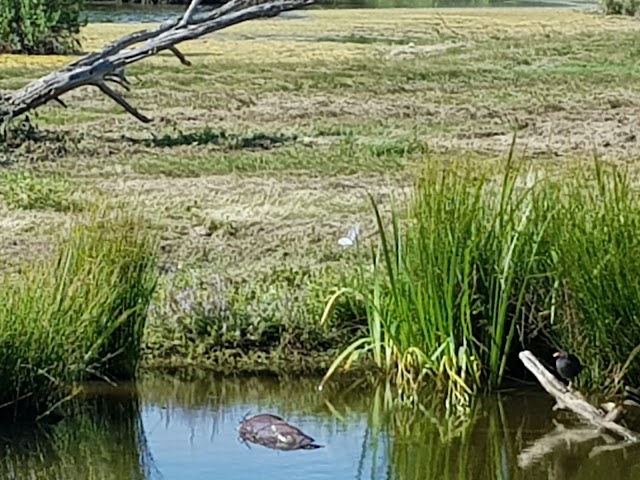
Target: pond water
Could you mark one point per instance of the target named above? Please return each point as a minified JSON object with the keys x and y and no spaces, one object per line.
{"x":97,"y":13}
{"x":172,"y":429}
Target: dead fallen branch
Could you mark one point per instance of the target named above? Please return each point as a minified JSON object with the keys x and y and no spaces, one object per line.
{"x":575,"y":402}
{"x":98,"y":68}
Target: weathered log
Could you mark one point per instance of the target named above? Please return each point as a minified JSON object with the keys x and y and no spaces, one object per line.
{"x":575,"y":402}
{"x":98,"y":68}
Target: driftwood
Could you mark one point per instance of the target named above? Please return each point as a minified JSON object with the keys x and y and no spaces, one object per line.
{"x":603,"y":419}
{"x":99,"y":68}
{"x":574,"y":401}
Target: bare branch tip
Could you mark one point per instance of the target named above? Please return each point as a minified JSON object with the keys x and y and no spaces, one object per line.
{"x":180,"y":56}
{"x":104,"y":88}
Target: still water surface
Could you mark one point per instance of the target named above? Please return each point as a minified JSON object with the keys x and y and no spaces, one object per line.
{"x":97,"y":13}
{"x":178,"y":430}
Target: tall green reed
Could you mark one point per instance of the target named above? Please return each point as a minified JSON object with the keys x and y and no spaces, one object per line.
{"x":450,"y":280}
{"x":78,"y":314}
{"x":597,"y":257}
{"x":476,"y":264}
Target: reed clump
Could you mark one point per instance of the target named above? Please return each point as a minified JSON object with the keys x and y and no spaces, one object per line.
{"x":77,"y":315}
{"x":476,"y":267}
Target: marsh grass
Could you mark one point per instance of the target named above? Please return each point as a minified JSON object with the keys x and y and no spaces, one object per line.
{"x":449,"y":281}
{"x":597,"y":259}
{"x":477,"y":266}
{"x":77,"y":315}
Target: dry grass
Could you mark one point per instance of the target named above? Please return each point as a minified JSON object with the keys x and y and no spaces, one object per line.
{"x":261,"y":152}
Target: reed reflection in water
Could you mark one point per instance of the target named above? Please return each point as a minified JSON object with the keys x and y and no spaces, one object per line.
{"x":177,"y":429}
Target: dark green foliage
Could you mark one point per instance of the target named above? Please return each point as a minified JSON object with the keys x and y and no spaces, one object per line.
{"x":40,"y":26}
{"x":621,"y":7}
{"x":597,"y":260}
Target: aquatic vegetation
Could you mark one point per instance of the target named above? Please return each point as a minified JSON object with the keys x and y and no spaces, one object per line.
{"x":476,"y":267}
{"x":450,"y":280}
{"x":597,"y":241}
{"x":233,"y":325}
{"x":78,"y":314}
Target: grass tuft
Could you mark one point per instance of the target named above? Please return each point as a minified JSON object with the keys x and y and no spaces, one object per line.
{"x":77,"y":315}
{"x":597,"y":259}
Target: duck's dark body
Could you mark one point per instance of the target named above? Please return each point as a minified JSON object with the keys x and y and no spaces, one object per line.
{"x":567,"y":365}
{"x":273,"y":432}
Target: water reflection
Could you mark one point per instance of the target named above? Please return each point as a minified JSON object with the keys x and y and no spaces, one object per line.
{"x":99,"y":438}
{"x":175,"y":429}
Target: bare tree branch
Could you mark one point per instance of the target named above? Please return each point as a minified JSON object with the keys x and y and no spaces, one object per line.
{"x":98,"y":67}
{"x":181,"y":57}
{"x":118,"y":81}
{"x":189,"y":13}
{"x":104,"y":88}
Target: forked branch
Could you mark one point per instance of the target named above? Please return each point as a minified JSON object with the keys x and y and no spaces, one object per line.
{"x":107,"y":65}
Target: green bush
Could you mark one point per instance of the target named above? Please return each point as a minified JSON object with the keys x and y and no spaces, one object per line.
{"x":40,"y":26}
{"x":621,"y":7}
{"x":78,"y":315}
{"x":268,"y":323}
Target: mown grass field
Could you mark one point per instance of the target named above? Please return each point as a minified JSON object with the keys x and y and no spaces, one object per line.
{"x":261,"y":153}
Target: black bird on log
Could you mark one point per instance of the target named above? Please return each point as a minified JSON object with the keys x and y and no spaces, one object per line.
{"x":567,"y":365}
{"x":273,"y":432}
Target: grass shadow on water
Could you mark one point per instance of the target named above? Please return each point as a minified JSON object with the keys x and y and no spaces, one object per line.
{"x":100,"y":437}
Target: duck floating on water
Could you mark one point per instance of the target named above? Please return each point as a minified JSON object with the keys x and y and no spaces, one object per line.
{"x":273,"y":432}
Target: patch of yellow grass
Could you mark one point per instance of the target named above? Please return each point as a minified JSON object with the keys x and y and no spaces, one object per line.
{"x":33,"y":61}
